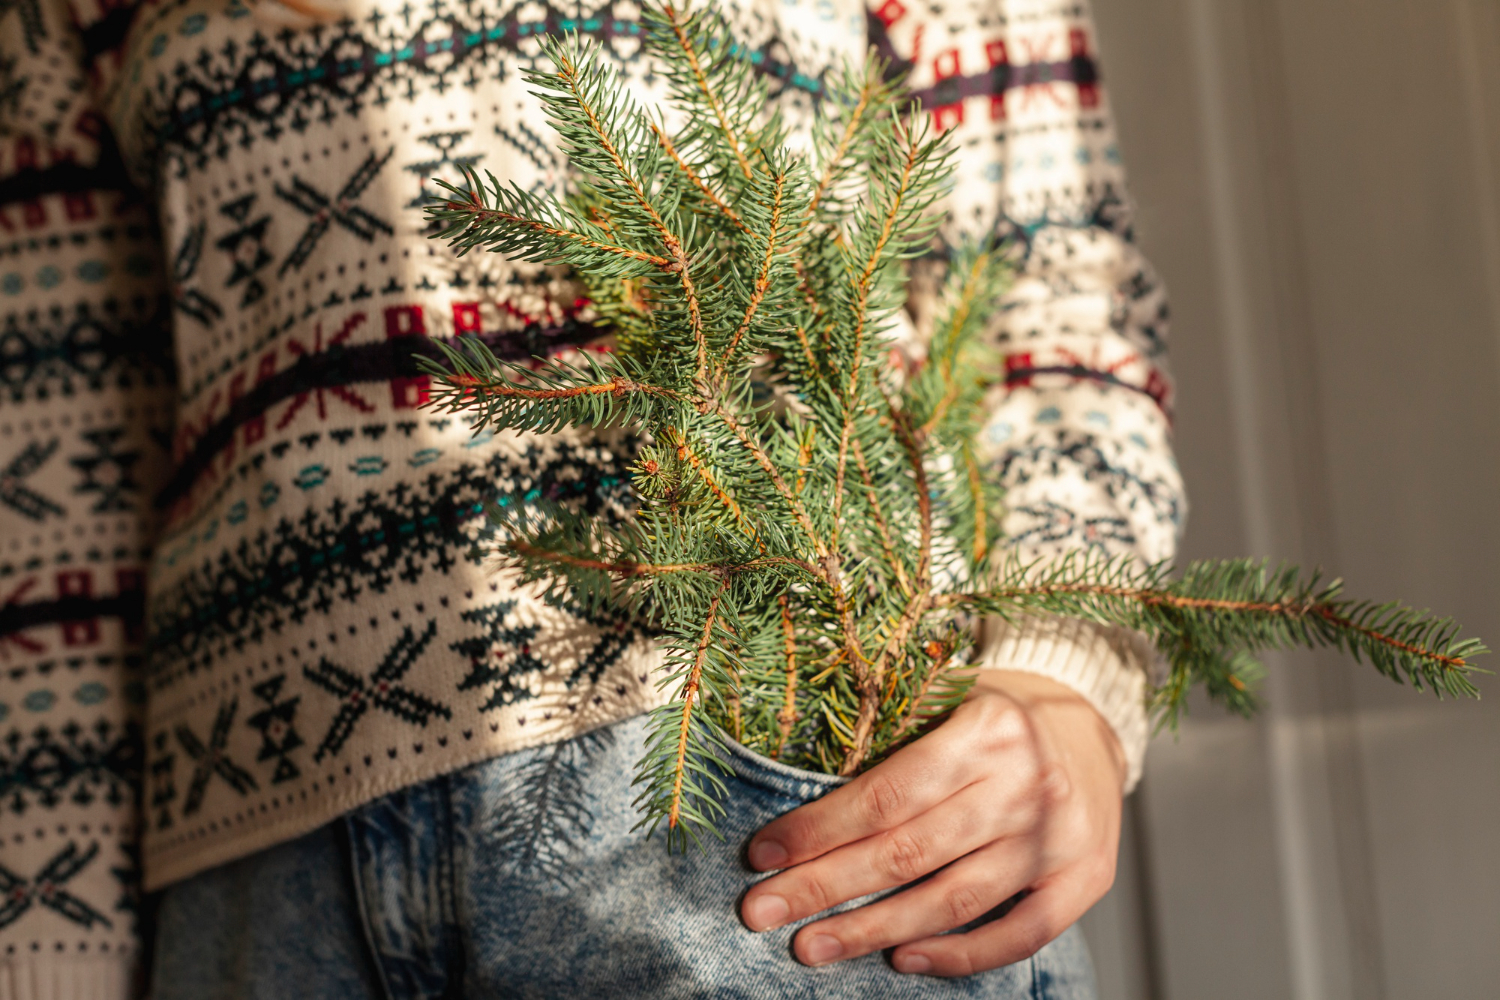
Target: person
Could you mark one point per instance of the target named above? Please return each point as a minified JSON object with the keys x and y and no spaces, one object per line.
{"x":252,"y":661}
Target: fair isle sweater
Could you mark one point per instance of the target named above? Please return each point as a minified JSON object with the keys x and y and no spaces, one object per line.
{"x":240,"y":595}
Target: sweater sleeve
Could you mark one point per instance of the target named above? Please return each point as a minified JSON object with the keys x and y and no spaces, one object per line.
{"x":1079,"y":430}
{"x":82,"y":394}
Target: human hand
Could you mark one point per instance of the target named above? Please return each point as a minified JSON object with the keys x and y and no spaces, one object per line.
{"x":1018,"y":789}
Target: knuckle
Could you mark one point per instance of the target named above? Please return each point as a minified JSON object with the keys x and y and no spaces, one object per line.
{"x":816,"y":895}
{"x":1053,"y":784}
{"x":993,"y":714}
{"x":903,"y":856}
{"x":884,"y":800}
{"x":962,"y":963}
{"x":1004,"y":727}
{"x":801,"y":836}
{"x":1031,"y":938}
{"x":961,"y":904}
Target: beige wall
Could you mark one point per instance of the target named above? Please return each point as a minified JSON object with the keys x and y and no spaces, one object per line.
{"x":1318,"y":182}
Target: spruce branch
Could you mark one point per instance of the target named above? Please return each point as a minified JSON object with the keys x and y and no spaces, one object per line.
{"x":762,"y":278}
{"x":788,"y":716}
{"x":871,"y":91}
{"x":700,"y":38}
{"x":877,"y":517}
{"x":813,"y":534}
{"x":689,"y":698}
{"x":484,"y":215}
{"x":1230,"y":607}
{"x":712,"y":196}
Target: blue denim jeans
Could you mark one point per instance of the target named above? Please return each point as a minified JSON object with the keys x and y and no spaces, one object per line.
{"x":521,"y":877}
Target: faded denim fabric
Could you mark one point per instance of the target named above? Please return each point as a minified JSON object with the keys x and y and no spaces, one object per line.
{"x":521,"y":877}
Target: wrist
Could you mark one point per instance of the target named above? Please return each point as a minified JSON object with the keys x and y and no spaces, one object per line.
{"x":1069,"y":722}
{"x":1111,"y":667}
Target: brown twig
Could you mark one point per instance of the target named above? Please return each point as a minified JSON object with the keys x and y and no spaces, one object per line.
{"x":913,"y":712}
{"x":787,"y":717}
{"x":481,"y":213}
{"x":762,"y":280}
{"x":976,"y":493}
{"x":863,"y":283}
{"x":679,"y":29}
{"x":862,"y":287}
{"x":698,"y":182}
{"x":804,"y":457}
{"x":830,"y":169}
{"x":839,"y":468}
{"x":804,"y":284}
{"x":469,"y":386}
{"x":878,"y":513}
{"x":569,"y":73}
{"x":911,"y":443}
{"x":812,"y":360}
{"x":687,"y":455}
{"x":828,"y":558}
{"x":1158,"y":598}
{"x":678,"y":262}
{"x":689,"y":695}
{"x":799,"y":513}
{"x":869,"y":682}
{"x":961,"y":314}
{"x":629,"y":569}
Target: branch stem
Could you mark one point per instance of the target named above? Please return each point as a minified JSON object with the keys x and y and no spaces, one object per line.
{"x":679,"y":28}
{"x":762,"y":280}
{"x":1161,"y":598}
{"x":689,"y":696}
{"x":787,"y":717}
{"x":961,"y":312}
{"x":471,"y":386}
{"x":692,"y":175}
{"x":887,"y":546}
{"x":481,"y":213}
{"x":630,"y":569}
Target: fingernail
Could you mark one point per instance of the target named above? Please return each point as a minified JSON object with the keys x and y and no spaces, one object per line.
{"x":764,"y":913}
{"x":822,"y":949}
{"x":766,"y":855}
{"x":913,"y":963}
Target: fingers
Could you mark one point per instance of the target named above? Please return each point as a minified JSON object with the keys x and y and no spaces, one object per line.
{"x":963,"y":823}
{"x":964,"y":891}
{"x":912,"y":781}
{"x":1021,"y":933}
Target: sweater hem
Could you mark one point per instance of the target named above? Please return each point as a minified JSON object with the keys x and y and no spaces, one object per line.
{"x":171,"y":867}
{"x":68,"y":977}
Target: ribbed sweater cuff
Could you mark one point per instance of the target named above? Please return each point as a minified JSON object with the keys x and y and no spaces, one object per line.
{"x":67,"y":977}
{"x":1108,"y":666}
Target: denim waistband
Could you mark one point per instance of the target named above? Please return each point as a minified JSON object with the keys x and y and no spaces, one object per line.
{"x":794,"y":782}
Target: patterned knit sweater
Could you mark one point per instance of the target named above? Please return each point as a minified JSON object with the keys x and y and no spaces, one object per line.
{"x":237,"y":589}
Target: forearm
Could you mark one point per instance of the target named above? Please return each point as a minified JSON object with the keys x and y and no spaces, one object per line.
{"x":1079,"y":430}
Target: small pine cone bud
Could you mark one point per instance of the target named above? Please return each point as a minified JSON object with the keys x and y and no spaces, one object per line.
{"x":650,"y":467}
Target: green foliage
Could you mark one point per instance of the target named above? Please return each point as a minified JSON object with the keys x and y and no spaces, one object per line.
{"x":1208,"y":622}
{"x":813,"y":535}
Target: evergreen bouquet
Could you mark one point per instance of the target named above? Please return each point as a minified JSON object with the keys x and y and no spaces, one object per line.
{"x":813,"y":536}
